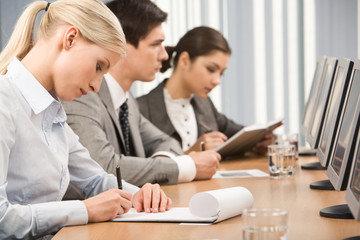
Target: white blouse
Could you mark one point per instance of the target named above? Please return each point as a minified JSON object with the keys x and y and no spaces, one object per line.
{"x":182,"y":116}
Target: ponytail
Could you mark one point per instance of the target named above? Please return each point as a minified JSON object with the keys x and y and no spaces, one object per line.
{"x":199,"y":41}
{"x":104,"y":28}
{"x":165,"y":65}
{"x":22,"y":38}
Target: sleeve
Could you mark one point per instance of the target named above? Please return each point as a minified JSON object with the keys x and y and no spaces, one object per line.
{"x":186,"y":165}
{"x":86,"y":173}
{"x":155,"y":140}
{"x":33,"y":220}
{"x":94,"y":133}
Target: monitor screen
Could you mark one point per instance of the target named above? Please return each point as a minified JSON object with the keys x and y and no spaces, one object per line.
{"x":313,"y":134}
{"x":334,"y":110}
{"x":311,"y":102}
{"x":344,"y":143}
{"x":353,"y":190}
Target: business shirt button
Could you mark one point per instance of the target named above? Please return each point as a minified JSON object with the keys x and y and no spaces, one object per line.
{"x":187,"y":132}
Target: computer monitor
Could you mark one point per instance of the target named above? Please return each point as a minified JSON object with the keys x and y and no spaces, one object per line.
{"x":311,"y":101}
{"x":334,"y":109}
{"x":344,"y":143}
{"x":317,"y":120}
{"x":352,"y":196}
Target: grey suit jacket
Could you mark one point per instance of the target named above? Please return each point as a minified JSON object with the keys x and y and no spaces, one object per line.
{"x":152,"y":106}
{"x":93,"y":118}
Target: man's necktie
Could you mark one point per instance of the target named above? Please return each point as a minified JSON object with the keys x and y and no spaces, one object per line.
{"x":125,"y":126}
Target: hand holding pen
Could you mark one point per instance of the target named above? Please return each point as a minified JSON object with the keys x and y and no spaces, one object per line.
{"x":108,"y":204}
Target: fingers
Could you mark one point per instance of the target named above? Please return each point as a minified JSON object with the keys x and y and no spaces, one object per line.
{"x":215,"y":135}
{"x":213,"y":140}
{"x":151,"y":198}
{"x":165,"y":202}
{"x":125,"y":205}
{"x":147,"y":195}
{"x":107,"y":205}
{"x":155,"y":201}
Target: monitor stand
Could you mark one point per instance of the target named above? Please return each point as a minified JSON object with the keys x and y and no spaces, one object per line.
{"x":313,"y":166}
{"x":307,"y":152}
{"x":322,"y":185}
{"x":352,"y":238}
{"x":338,"y":211}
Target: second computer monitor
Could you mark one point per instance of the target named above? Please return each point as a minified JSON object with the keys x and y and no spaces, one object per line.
{"x":353,"y":190}
{"x":334,"y":109}
{"x":344,"y":143}
{"x":313,"y":95}
{"x":313,"y":134}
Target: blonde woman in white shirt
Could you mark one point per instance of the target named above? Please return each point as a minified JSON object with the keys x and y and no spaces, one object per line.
{"x":39,"y":153}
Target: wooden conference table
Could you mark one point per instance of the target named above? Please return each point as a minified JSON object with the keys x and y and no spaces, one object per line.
{"x":292,"y":194}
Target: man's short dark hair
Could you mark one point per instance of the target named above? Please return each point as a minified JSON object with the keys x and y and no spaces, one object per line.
{"x":137,"y":17}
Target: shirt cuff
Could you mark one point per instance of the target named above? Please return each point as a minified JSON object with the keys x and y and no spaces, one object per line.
{"x":186,"y":165}
{"x":57,"y":214}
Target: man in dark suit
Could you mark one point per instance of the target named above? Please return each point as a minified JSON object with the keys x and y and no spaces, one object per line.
{"x":109,"y":122}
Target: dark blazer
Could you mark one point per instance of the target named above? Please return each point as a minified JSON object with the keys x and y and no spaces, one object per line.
{"x":93,"y":118}
{"x":152,"y":106}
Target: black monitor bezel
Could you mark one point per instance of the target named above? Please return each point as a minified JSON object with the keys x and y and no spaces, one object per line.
{"x":351,"y":200}
{"x":312,"y":98}
{"x":325,"y":88}
{"x":339,"y":181}
{"x":333,"y":123}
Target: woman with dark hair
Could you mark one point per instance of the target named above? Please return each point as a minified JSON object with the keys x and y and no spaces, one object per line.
{"x":180,"y":105}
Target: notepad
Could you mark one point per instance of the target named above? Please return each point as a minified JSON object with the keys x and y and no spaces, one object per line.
{"x":246,"y":138}
{"x":204,"y":207}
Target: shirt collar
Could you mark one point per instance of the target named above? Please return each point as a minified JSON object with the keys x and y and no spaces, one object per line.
{"x":169,"y":98}
{"x":118,"y":96}
{"x":34,"y":93}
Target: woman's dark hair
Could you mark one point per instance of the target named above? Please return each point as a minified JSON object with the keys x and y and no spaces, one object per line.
{"x":199,"y":41}
{"x":137,"y":17}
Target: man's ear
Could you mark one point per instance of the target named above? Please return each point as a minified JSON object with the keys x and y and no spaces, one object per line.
{"x":70,"y":36}
{"x":184,"y":59}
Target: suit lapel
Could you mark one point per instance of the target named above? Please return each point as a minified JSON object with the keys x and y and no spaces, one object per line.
{"x":158,"y":106}
{"x":205,"y":119}
{"x":105,"y":97}
{"x":134,"y":118}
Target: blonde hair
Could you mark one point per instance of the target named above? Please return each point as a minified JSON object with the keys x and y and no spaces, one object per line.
{"x":94,"y":20}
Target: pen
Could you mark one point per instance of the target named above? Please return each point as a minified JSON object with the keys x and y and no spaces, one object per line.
{"x":202,"y":146}
{"x":173,"y":151}
{"x":118,"y":177}
{"x":207,"y":129}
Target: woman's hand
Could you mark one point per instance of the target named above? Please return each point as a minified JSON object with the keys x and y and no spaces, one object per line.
{"x":107,"y":205}
{"x":151,"y":198}
{"x":210,"y":141}
{"x":261,"y":146}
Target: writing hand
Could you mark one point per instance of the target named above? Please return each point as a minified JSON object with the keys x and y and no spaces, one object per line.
{"x":206,"y":162}
{"x":107,"y":205}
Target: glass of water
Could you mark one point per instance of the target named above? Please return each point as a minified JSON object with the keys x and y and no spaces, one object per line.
{"x":265,"y":224}
{"x":287,"y":139}
{"x":281,"y":160}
